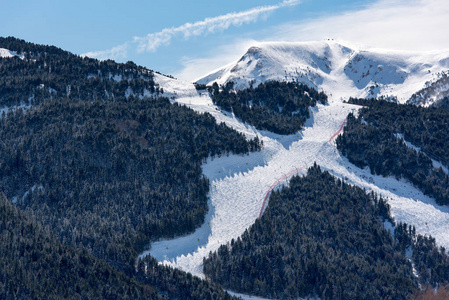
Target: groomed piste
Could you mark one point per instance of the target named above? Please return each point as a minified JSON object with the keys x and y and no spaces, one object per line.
{"x":239,"y":184}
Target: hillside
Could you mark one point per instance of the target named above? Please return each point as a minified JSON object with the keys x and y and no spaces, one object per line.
{"x":106,"y":175}
{"x":319,"y":236}
{"x":341,"y":71}
{"x":240,"y":185}
{"x":279,"y":107}
{"x":31,"y":73}
{"x":108,"y":165}
{"x":36,"y":265}
{"x":323,"y":237}
{"x":434,"y":93}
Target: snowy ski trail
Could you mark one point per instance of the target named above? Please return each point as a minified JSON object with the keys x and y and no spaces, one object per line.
{"x":239,"y":183}
{"x":279,"y":181}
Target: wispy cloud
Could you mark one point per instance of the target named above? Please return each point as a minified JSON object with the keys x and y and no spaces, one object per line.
{"x":117,"y":53}
{"x":152,"y":41}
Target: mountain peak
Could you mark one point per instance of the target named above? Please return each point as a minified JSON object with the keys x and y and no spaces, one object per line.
{"x":340,"y":70}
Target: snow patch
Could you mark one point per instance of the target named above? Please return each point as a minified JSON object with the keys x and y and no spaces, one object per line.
{"x":175,"y":88}
{"x":8,"y":53}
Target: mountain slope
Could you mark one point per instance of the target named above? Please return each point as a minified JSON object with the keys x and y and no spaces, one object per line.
{"x":105,"y":170}
{"x":35,"y":265}
{"x":31,"y":73}
{"x":434,"y":93}
{"x":319,"y":236}
{"x":339,"y":70}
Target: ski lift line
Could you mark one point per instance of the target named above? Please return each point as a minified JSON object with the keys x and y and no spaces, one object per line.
{"x":267,"y":194}
{"x":338,"y":132}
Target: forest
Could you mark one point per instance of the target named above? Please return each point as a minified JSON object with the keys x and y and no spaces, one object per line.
{"x":279,"y":107}
{"x":323,"y":237}
{"x":36,"y":265}
{"x":95,"y":163}
{"x":47,"y":72}
{"x":372,"y":140}
{"x":426,"y":128}
{"x":111,"y":176}
{"x":104,"y":177}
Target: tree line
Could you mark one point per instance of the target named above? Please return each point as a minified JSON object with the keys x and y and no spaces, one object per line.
{"x":111,"y":176}
{"x":426,"y":128}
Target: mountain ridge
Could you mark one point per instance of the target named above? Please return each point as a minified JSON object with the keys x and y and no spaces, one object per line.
{"x":340,"y":70}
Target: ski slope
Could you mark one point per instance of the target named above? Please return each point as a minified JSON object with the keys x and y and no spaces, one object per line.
{"x":240,"y":183}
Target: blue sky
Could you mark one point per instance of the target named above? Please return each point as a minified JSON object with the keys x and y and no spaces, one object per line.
{"x":188,"y":39}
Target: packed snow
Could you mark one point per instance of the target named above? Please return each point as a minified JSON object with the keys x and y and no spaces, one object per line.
{"x":240,"y":182}
{"x":340,"y":70}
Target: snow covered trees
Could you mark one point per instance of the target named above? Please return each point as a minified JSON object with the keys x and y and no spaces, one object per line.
{"x":374,"y":142}
{"x":278,"y":107}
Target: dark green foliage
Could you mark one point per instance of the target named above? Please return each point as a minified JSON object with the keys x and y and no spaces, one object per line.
{"x":280,"y":107}
{"x":426,"y":128}
{"x":104,"y":173}
{"x":377,"y":147}
{"x":49,"y":72}
{"x":35,"y":265}
{"x":110,"y":176}
{"x":200,"y":86}
{"x":443,"y":103}
{"x":430,"y":261}
{"x":319,"y":236}
{"x":177,"y":284}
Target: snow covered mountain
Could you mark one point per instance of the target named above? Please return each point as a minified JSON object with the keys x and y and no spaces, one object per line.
{"x":434,"y":92}
{"x":339,"y":70}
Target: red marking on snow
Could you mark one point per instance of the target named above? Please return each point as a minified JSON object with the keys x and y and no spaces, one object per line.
{"x":292,"y":172}
{"x":274,"y":185}
{"x":338,"y":132}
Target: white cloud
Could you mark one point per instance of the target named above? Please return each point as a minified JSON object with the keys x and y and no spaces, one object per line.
{"x":207,"y":26}
{"x":413,"y":25}
{"x":116,"y":53}
{"x":153,"y":41}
